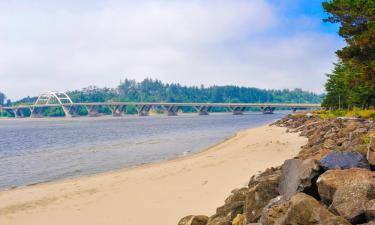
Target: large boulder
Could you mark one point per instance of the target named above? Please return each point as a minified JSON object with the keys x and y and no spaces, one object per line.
{"x":371,"y":152}
{"x":300,"y":209}
{"x":193,"y":220}
{"x":343,"y":160}
{"x":331,"y":180}
{"x":298,"y":175}
{"x":262,"y":189}
{"x":350,"y":201}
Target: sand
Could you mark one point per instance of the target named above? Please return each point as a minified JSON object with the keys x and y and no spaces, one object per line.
{"x":156,"y":194}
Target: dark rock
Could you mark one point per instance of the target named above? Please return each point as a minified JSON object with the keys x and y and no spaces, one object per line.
{"x":297,"y":175}
{"x":331,"y":180}
{"x":344,"y":160}
{"x":193,"y":220}
{"x":369,"y":223}
{"x":349,"y":201}
{"x":301,"y":209}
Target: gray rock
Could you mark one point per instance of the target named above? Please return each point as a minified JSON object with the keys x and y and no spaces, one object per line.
{"x":297,"y":175}
{"x":344,"y":160}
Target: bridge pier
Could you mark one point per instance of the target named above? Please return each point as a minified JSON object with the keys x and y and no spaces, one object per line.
{"x":117,"y":110}
{"x":267,"y":110}
{"x":37,"y":112}
{"x":294,"y":109}
{"x":71,"y":111}
{"x":92,"y":110}
{"x":143,"y":110}
{"x":203,"y":110}
{"x":237,"y":110}
{"x":171,"y":110}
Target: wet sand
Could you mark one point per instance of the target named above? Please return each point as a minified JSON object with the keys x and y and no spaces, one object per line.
{"x":157,"y":194}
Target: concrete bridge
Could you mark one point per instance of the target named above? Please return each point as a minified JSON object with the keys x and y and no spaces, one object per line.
{"x":62,"y":100}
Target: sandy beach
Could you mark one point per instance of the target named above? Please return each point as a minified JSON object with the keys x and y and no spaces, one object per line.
{"x":156,"y":194}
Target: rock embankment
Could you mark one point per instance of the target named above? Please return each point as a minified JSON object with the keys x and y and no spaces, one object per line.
{"x":330,"y":182}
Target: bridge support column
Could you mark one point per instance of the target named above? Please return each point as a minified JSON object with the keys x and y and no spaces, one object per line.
{"x":143,"y":110}
{"x":117,"y":110}
{"x":171,"y":110}
{"x":37,"y":112}
{"x":294,"y":109}
{"x":203,"y":110}
{"x":71,"y":111}
{"x":237,"y":110}
{"x":92,"y":110}
{"x":267,"y":110}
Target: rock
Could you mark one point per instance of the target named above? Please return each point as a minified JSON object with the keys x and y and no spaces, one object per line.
{"x":239,"y":220}
{"x":329,"y":181}
{"x":297,"y":175}
{"x":369,"y":223}
{"x":301,"y":209}
{"x":220,"y":220}
{"x":234,"y":204}
{"x":344,"y":160}
{"x":261,"y":189}
{"x":371,"y":152}
{"x":370,"y":209}
{"x":349,"y":201}
{"x":308,"y":153}
{"x":193,"y":220}
{"x":329,"y":143}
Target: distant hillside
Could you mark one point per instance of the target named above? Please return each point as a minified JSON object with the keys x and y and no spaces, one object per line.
{"x":155,"y":91}
{"x":150,"y":90}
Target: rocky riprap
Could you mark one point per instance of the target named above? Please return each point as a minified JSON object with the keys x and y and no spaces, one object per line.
{"x":330,"y":182}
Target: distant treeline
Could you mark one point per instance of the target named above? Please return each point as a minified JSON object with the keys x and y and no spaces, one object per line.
{"x":150,"y":90}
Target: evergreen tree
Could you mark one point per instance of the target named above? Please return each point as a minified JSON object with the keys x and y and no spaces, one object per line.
{"x":356,"y":70}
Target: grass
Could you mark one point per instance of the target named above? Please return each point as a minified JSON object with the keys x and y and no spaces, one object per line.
{"x":360,"y":113}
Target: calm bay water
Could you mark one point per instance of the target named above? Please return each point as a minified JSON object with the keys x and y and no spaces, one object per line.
{"x":39,"y":150}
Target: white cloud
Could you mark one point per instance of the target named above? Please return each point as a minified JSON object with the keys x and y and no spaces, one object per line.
{"x":66,"y":46}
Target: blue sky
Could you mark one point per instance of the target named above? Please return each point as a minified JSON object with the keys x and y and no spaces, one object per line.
{"x":65,"y":45}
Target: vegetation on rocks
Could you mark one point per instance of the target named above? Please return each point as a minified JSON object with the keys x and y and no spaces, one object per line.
{"x":331,"y":181}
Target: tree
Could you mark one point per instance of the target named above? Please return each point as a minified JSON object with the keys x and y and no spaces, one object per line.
{"x":357,"y":27}
{"x":2,"y":98}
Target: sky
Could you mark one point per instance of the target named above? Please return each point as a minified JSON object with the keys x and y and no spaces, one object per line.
{"x":67,"y":45}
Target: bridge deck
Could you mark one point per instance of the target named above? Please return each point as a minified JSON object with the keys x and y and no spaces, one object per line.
{"x":192,"y":104}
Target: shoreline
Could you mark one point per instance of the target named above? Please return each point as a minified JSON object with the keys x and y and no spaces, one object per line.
{"x":35,"y":203}
{"x":125,"y":169}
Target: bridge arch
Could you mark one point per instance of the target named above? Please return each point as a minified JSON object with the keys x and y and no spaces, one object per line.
{"x":53,"y":97}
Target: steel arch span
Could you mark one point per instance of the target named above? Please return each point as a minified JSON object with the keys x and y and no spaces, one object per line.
{"x":53,"y":97}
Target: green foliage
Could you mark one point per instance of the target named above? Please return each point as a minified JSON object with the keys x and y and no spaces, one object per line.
{"x":353,"y":78}
{"x":367,"y":114}
{"x":155,"y":91}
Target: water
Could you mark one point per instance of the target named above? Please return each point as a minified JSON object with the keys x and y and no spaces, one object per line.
{"x":39,"y":150}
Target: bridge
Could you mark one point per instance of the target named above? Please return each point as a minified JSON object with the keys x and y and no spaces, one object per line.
{"x":61,"y":100}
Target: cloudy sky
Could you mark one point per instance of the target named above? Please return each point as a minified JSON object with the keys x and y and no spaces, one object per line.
{"x":66,"y":45}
